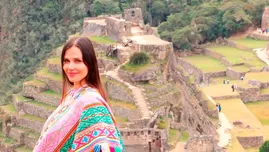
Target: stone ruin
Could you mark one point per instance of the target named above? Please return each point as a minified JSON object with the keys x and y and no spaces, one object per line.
{"x":265,"y":18}
{"x":130,"y":33}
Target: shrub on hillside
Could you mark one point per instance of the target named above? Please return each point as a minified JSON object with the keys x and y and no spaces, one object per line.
{"x":139,"y":58}
{"x":265,"y":146}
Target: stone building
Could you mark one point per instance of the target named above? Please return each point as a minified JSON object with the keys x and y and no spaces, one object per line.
{"x":265,"y":18}
{"x":133,"y":15}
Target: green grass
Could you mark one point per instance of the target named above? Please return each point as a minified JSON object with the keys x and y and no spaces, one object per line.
{"x":6,"y":140}
{"x":51,"y":93}
{"x":102,"y":39}
{"x":206,"y":63}
{"x":260,"y":110}
{"x":55,"y":60}
{"x":250,"y":43}
{"x":236,"y":56}
{"x":136,"y":68}
{"x":173,"y":136}
{"x":9,"y":109}
{"x":121,"y":120}
{"x":184,"y":136}
{"x":264,"y":91}
{"x":126,"y":105}
{"x":162,"y":124}
{"x":29,"y":132}
{"x":53,"y":76}
{"x":241,"y":68}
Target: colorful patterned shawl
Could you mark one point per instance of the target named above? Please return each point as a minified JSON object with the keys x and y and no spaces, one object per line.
{"x":83,"y":122}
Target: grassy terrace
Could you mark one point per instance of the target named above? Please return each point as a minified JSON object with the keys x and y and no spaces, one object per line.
{"x":55,"y":60}
{"x":35,"y":83}
{"x":206,"y":63}
{"x":136,"y":68}
{"x":51,"y":93}
{"x":173,"y":136}
{"x":260,"y":76}
{"x":102,"y":39}
{"x":11,"y":110}
{"x":250,"y":43}
{"x":235,"y":110}
{"x":53,"y":76}
{"x":241,"y":68}
{"x":260,"y":110}
{"x":236,"y":56}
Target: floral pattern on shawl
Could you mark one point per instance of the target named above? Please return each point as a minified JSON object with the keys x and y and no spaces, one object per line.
{"x":84,"y":122}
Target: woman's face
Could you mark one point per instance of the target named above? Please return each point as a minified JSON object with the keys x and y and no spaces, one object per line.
{"x":74,"y":67}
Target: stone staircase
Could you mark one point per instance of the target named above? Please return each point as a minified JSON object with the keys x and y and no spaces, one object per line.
{"x":137,"y":92}
{"x":22,"y":121}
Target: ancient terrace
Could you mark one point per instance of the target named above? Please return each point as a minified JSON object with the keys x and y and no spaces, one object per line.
{"x":22,"y":120}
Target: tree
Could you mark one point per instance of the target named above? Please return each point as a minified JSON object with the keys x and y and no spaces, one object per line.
{"x":105,"y":7}
{"x":265,"y":146}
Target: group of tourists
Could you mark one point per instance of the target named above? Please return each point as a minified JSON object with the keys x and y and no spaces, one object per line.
{"x":262,"y":31}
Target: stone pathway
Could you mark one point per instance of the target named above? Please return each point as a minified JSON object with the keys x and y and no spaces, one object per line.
{"x":261,"y":53}
{"x":179,"y":147}
{"x":137,"y":92}
{"x":224,"y":136}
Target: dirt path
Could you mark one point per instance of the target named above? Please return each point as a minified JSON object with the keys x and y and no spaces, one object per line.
{"x":261,"y":53}
{"x":224,"y":136}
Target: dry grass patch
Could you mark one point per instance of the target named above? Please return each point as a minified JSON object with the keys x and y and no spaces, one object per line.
{"x":260,"y":76}
{"x":219,"y":90}
{"x":260,"y":110}
{"x":126,"y":105}
{"x":206,"y":63}
{"x":55,"y":60}
{"x":236,"y":110}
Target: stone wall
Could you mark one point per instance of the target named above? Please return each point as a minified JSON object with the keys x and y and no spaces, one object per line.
{"x":133,"y":15}
{"x":125,"y":75}
{"x":100,"y":47}
{"x":248,"y":142}
{"x":157,"y":51}
{"x":93,"y":29}
{"x":265,"y":18}
{"x":249,"y":94}
{"x":119,"y":111}
{"x":203,"y":143}
{"x":189,"y":68}
{"x":118,"y":91}
{"x":207,"y":76}
{"x":106,"y":64}
{"x":55,"y":68}
{"x":259,"y":36}
{"x":234,"y":74}
{"x":115,"y":28}
{"x":193,"y":117}
{"x":145,"y":139}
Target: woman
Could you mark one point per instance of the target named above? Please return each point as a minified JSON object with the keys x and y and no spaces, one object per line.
{"x":83,"y":121}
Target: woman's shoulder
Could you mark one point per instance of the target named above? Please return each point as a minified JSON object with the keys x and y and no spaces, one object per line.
{"x":90,"y":96}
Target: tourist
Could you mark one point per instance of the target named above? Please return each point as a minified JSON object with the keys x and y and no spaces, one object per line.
{"x":83,"y":121}
{"x":228,"y":81}
{"x":224,"y":81}
{"x":233,"y":87}
{"x":218,"y":107}
{"x":242,"y":78}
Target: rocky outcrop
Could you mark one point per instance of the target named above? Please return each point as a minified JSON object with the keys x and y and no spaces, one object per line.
{"x":253,"y":141}
{"x":192,"y":115}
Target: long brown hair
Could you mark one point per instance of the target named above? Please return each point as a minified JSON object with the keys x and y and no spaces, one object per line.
{"x":89,"y":59}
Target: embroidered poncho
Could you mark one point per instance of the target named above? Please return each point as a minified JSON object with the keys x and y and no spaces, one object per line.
{"x":82,"y":123}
